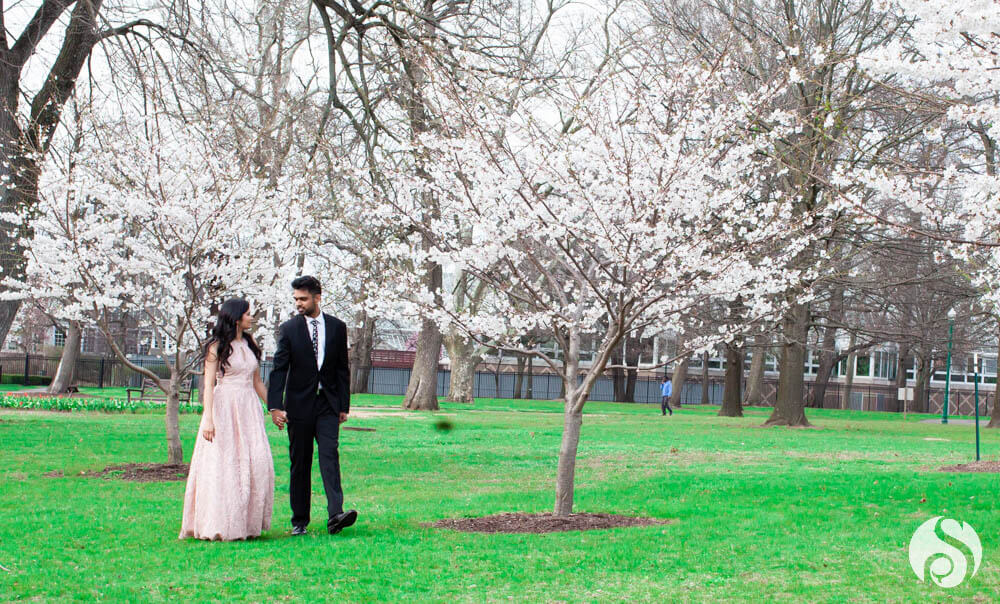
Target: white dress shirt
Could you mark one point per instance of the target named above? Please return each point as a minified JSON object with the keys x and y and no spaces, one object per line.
{"x":320,"y":337}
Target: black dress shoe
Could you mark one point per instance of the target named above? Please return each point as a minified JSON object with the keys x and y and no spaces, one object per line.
{"x":298,"y":530}
{"x":341,"y":521}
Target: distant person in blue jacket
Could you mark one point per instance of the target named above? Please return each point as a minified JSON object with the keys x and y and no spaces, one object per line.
{"x":665,"y":390}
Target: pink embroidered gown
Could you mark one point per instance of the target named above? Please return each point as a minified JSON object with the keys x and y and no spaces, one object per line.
{"x":230,"y":486}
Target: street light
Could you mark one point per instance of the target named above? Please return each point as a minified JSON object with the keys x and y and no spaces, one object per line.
{"x":975,"y":362}
{"x":947,"y":379}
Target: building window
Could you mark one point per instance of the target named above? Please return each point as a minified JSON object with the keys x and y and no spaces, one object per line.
{"x":989,"y":371}
{"x":87,"y":341}
{"x":148,"y":342}
{"x":841,"y":369}
{"x":58,"y":338}
{"x":884,"y":364}
{"x":959,"y":368}
{"x":863,"y":366}
{"x":770,"y":362}
{"x":812,"y":363}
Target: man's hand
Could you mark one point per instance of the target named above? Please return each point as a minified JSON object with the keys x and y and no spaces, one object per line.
{"x":343,"y":417}
{"x":279,"y":417}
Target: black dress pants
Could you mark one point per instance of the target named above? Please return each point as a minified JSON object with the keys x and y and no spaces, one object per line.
{"x":323,"y":427}
{"x":665,"y":405}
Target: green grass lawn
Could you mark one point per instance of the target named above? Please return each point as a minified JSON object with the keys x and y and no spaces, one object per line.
{"x":760,"y":514}
{"x":20,"y":387}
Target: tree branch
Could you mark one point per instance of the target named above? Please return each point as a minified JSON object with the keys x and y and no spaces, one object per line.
{"x":48,"y":13}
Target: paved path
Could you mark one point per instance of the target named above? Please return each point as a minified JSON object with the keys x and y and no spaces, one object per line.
{"x":982,"y":420}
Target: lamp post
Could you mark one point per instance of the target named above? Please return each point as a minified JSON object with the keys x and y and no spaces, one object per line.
{"x":947,"y":379}
{"x":975,"y":362}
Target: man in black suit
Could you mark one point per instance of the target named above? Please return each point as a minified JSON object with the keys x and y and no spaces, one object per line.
{"x":309,"y":391}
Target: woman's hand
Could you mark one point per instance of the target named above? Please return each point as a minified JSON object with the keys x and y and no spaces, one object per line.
{"x":208,"y":430}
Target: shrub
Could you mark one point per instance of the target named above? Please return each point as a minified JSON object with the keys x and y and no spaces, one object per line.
{"x":33,"y":380}
{"x":107,"y":405}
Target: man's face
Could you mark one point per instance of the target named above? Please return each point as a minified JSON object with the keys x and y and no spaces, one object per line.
{"x":306,"y":303}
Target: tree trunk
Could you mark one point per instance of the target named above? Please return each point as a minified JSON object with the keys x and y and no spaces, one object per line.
{"x":464,"y":360}
{"x":618,"y":374}
{"x":789,"y":408}
{"x":755,"y":382}
{"x":519,"y":378}
{"x":565,"y":475}
{"x":421,"y":392}
{"x":677,"y":383}
{"x":576,"y":396}
{"x":175,"y":454}
{"x":633,"y":350}
{"x":22,"y":151}
{"x":361,"y":354}
{"x":828,"y":352}
{"x":704,"y":379}
{"x":496,"y":372}
{"x":920,"y":402}
{"x":631,"y":379}
{"x":852,"y":359}
{"x":994,"y":412}
{"x":826,"y":364}
{"x":531,"y":379}
{"x":732,"y":400}
{"x":12,"y":198}
{"x":67,"y":362}
{"x":845,"y":397}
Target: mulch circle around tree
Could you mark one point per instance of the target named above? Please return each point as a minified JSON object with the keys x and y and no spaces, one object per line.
{"x":142,"y":472}
{"x":975,"y":466}
{"x":543,"y":523}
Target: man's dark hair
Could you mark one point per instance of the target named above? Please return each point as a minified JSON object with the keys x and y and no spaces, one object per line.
{"x":308,"y":283}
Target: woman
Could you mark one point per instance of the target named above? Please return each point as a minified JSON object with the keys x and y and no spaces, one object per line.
{"x":230,"y":487}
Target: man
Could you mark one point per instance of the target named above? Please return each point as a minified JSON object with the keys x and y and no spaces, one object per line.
{"x":309,"y":391}
{"x":665,"y":391}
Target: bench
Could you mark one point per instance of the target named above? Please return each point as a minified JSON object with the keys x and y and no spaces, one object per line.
{"x":149,"y":391}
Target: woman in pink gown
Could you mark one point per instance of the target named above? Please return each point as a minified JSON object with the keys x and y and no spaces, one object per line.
{"x":230,"y":487}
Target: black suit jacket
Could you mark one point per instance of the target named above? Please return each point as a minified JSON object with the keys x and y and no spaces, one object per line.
{"x":294,"y":380}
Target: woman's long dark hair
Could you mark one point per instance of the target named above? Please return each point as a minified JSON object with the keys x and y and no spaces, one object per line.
{"x":224,"y":331}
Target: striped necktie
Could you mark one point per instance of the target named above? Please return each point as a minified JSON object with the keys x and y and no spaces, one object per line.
{"x":315,"y":337}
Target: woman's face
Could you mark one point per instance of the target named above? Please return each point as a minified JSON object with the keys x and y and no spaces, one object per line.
{"x":246,"y":321}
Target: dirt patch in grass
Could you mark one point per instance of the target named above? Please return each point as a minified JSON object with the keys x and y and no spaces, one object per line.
{"x":142,"y":472}
{"x":53,"y":474}
{"x":543,"y":523}
{"x":976,"y":466}
{"x":369,"y":412}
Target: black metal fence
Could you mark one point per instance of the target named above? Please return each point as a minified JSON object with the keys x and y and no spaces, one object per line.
{"x":384,"y":380}
{"x":106,"y":372}
{"x":101,"y":372}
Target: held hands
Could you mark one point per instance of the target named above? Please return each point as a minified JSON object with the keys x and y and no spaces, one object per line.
{"x":279,"y":417}
{"x":208,"y":430}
